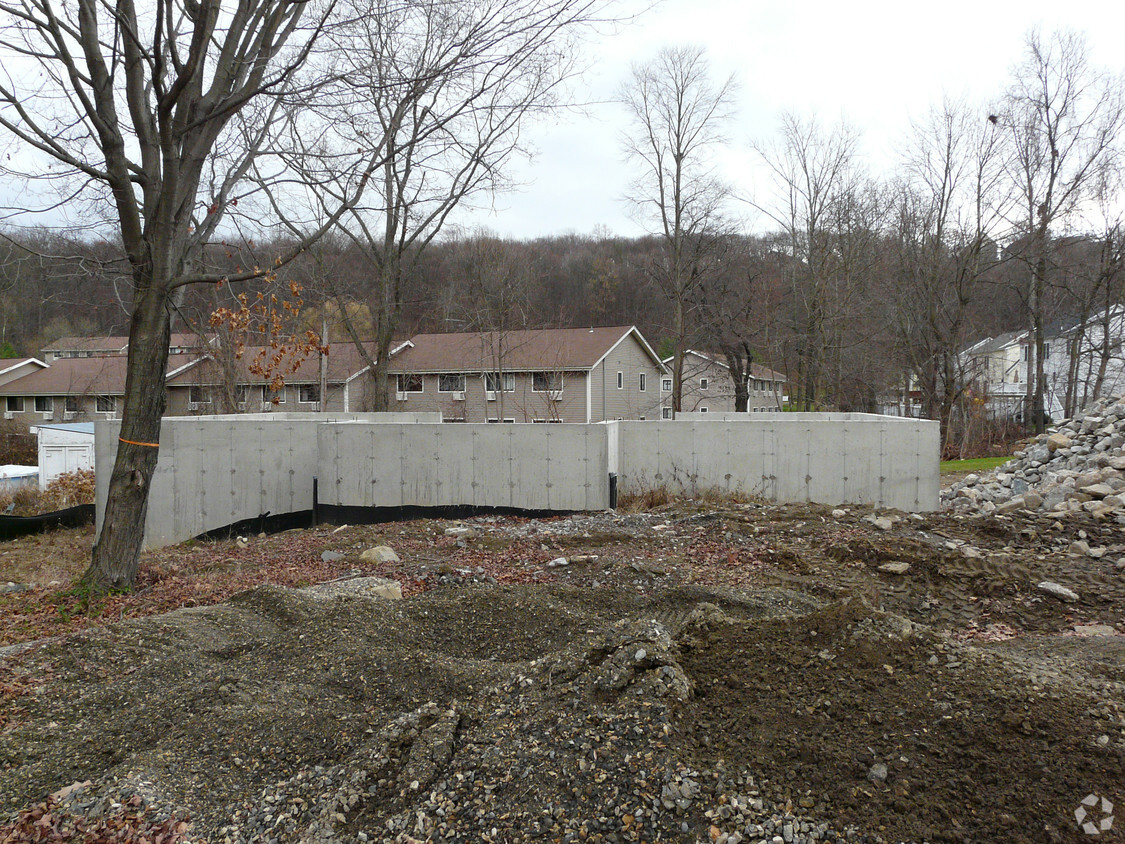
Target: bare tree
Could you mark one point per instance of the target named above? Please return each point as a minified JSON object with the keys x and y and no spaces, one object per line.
{"x":815,"y":174}
{"x":947,"y":210}
{"x":446,"y":87}
{"x":1063,"y":120}
{"x":136,"y":111}
{"x":678,"y":117}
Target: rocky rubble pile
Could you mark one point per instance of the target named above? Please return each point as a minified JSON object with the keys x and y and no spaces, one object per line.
{"x":1077,"y":466}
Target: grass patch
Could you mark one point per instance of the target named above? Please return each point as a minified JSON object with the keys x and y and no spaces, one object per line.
{"x":977,"y":464}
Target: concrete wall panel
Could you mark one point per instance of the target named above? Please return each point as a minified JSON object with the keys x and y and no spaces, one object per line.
{"x":531,"y":467}
{"x":826,"y":458}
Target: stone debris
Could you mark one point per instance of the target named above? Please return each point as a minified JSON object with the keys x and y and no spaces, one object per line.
{"x":1076,"y":467}
{"x":1058,"y":591}
{"x":362,"y":587}
{"x":1094,"y":630}
{"x":895,"y":568}
{"x":379,"y":554}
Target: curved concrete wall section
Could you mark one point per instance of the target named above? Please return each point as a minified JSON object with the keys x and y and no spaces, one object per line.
{"x":213,"y":472}
{"x":835,"y":458}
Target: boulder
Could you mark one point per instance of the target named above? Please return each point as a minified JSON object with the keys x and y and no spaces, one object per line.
{"x":379,"y":554}
{"x":1056,"y":441}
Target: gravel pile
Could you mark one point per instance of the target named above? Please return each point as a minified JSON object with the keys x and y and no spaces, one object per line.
{"x":1076,"y":466}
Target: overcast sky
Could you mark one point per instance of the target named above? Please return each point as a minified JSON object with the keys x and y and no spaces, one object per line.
{"x":875,"y":64}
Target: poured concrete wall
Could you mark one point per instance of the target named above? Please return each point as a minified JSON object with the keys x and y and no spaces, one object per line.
{"x":791,"y":457}
{"x":217,"y":470}
{"x":532,"y":467}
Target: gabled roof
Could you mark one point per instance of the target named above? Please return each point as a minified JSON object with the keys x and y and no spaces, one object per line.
{"x":119,"y":344}
{"x":552,"y":349}
{"x":9,"y":364}
{"x":105,"y":345}
{"x":344,"y":361}
{"x":994,"y":344}
{"x":80,"y":376}
{"x":756,"y":369}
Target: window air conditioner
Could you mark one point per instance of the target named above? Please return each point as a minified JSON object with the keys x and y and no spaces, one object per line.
{"x":193,"y":405}
{"x":400,"y":396}
{"x":9,"y":414}
{"x":68,"y":414}
{"x":459,"y":396}
{"x":490,"y":395}
{"x":554,"y":395}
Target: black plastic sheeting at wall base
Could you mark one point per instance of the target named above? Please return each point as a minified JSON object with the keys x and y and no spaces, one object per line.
{"x":265,"y":523}
{"x":339,"y":515}
{"x":332,"y":515}
{"x":13,"y":526}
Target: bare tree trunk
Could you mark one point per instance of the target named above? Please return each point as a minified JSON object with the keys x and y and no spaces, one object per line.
{"x":117,"y":552}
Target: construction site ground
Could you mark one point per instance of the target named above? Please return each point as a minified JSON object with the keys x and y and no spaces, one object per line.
{"x":696,"y":671}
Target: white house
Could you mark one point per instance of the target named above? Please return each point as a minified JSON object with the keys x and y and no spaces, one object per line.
{"x":1082,"y":361}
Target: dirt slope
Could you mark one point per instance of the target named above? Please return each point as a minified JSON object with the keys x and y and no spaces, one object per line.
{"x":730,"y":673}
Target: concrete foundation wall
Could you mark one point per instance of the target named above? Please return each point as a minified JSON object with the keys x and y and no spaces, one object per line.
{"x":841,"y":459}
{"x":532,"y":467}
{"x":217,"y":470}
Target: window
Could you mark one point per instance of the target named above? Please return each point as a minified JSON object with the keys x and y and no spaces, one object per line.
{"x":241,"y":393}
{"x":107,"y":404}
{"x":308,"y":393}
{"x":1046,"y":351}
{"x":509,"y":421}
{"x":703,"y":383}
{"x":665,"y":385}
{"x":408,"y":383}
{"x":272,"y":396}
{"x":71,"y":405}
{"x":44,"y":404}
{"x":703,"y":410}
{"x":665,"y":413}
{"x":15,"y":404}
{"x":451,"y":382}
{"x":644,"y":381}
{"x":543,"y":382}
{"x":620,"y":380}
{"x":492,"y":381}
{"x":199,"y":395}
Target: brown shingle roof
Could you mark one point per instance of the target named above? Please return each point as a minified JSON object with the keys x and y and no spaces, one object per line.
{"x":88,"y":344}
{"x":79,"y":377}
{"x":553,"y":349}
{"x":344,"y":361}
{"x":108,"y":345}
{"x":756,"y":369}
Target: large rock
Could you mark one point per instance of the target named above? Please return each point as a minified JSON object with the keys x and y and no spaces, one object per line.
{"x":1056,"y":441}
{"x":1098,"y":490}
{"x":379,"y":554}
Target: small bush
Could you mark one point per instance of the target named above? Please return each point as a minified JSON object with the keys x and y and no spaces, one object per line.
{"x":69,"y":490}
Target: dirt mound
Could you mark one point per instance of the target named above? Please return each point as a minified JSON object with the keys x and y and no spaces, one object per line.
{"x":567,"y":713}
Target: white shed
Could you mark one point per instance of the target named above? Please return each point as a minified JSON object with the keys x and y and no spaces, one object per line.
{"x":66,"y":447}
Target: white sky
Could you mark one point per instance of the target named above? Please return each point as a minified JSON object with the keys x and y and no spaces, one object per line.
{"x":877,"y":65}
